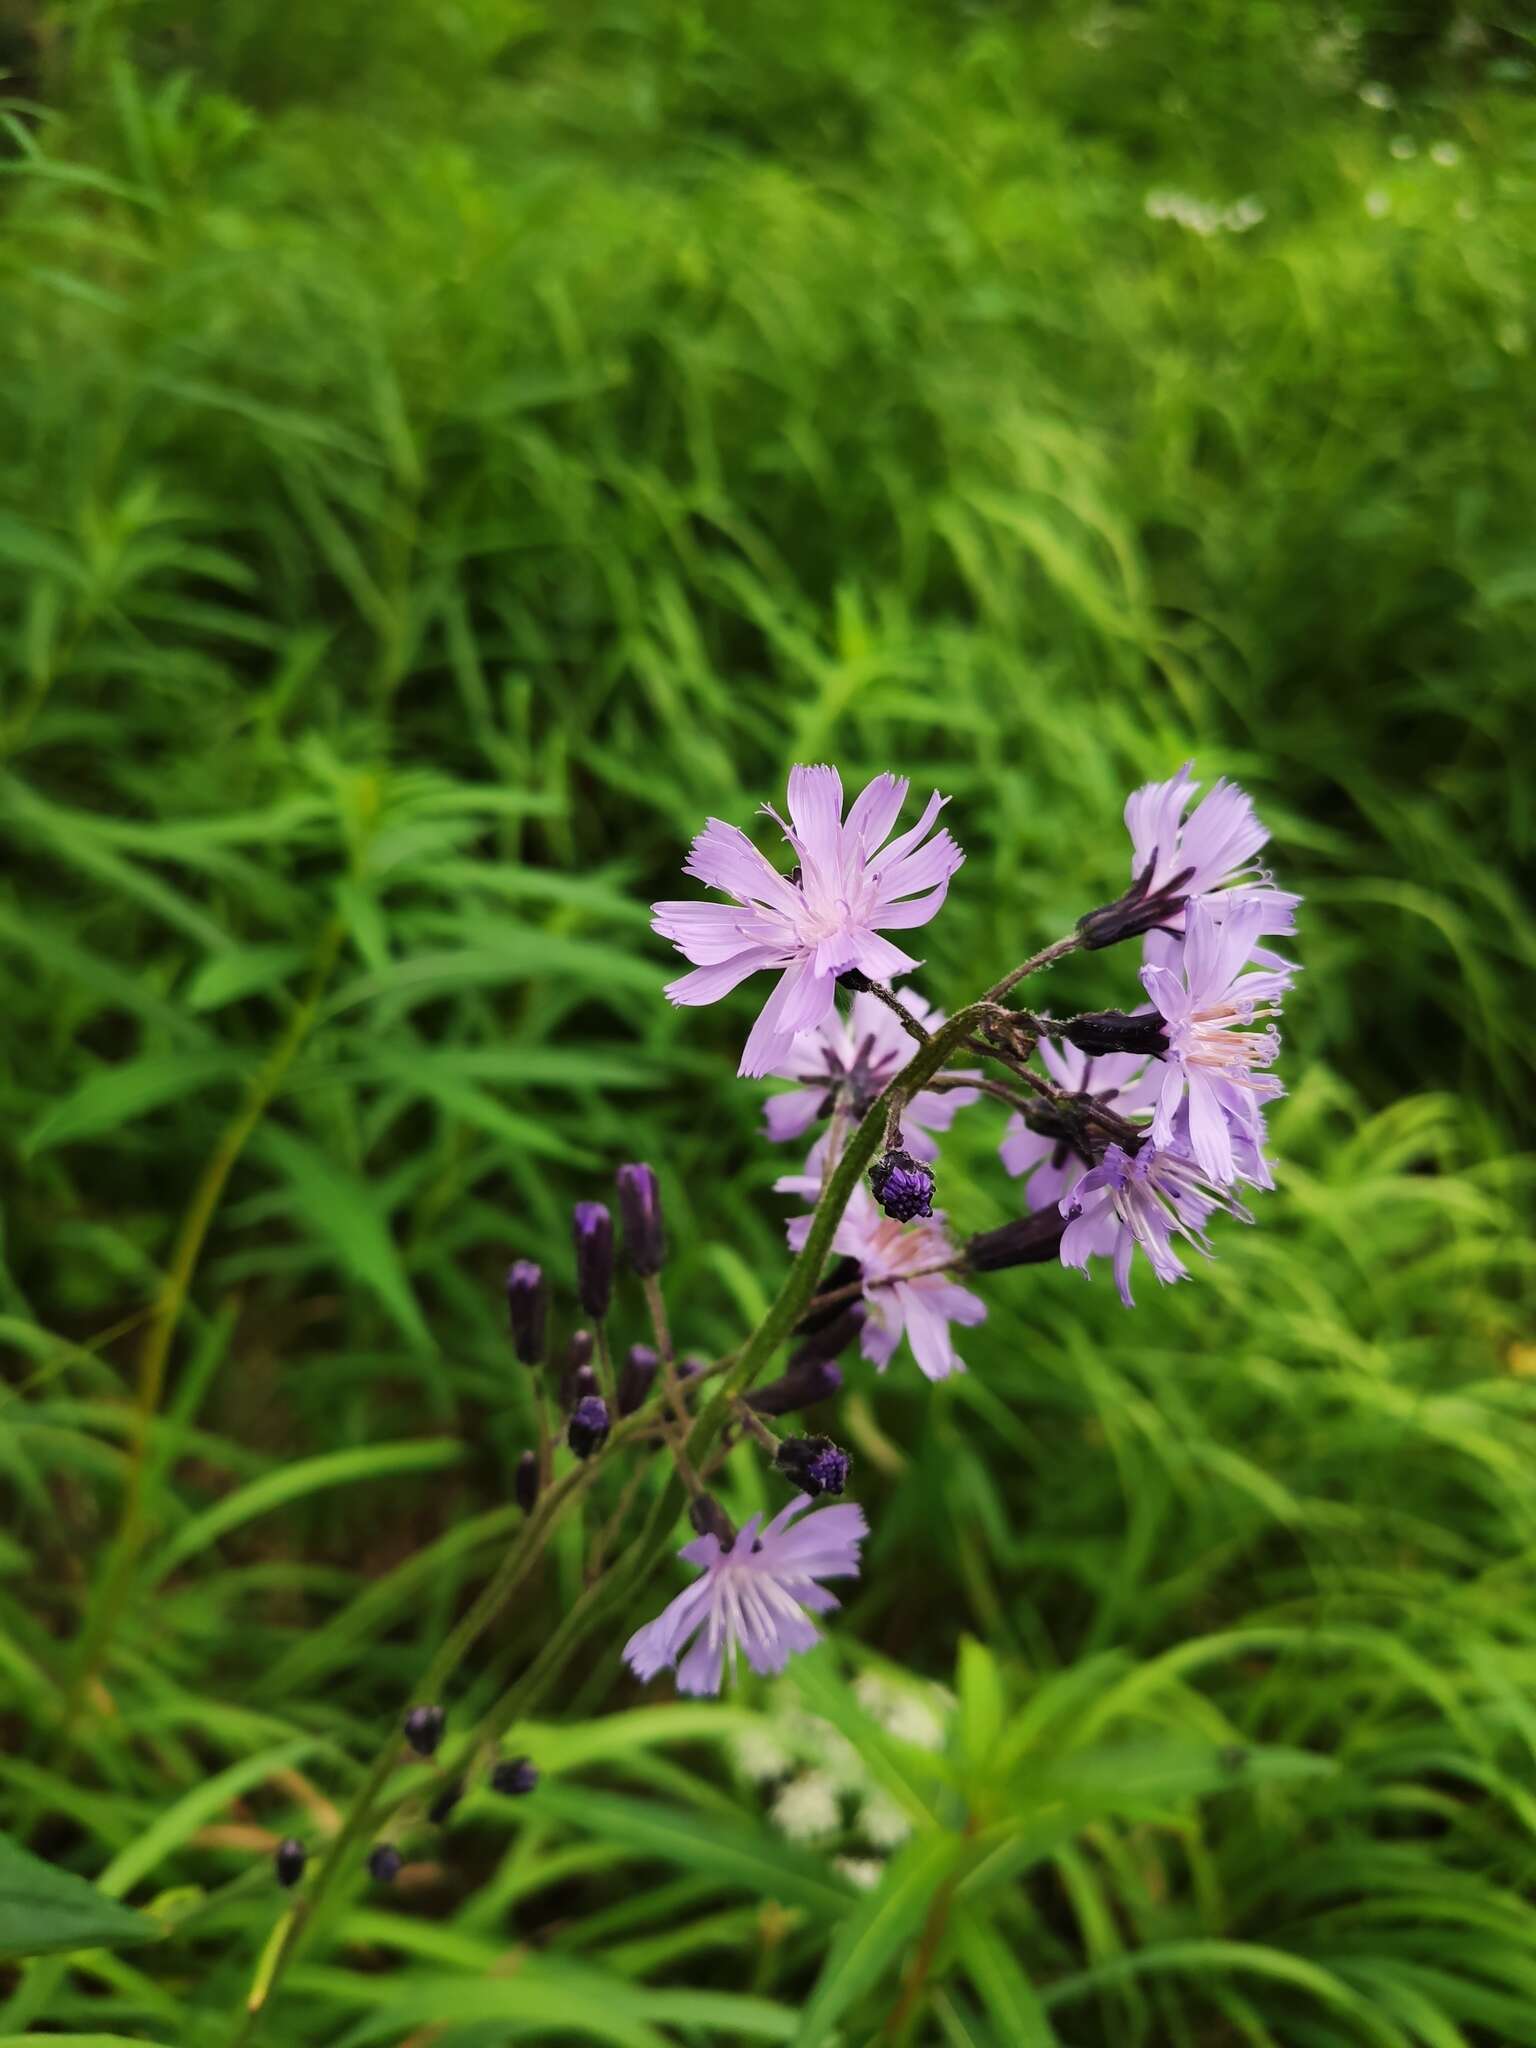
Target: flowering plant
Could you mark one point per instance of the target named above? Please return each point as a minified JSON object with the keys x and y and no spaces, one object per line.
{"x":1130,"y":1130}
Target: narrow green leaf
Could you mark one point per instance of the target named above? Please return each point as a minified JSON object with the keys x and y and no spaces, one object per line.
{"x":878,"y":1932}
{"x":48,"y":1911}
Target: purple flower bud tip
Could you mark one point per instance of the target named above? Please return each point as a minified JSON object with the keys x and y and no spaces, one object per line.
{"x":515,"y":1778}
{"x":584,"y":1385}
{"x":637,"y":1378}
{"x":902,"y":1185}
{"x":807,"y":1382}
{"x":384,"y":1863}
{"x":710,"y":1519}
{"x":424,"y":1729}
{"x":525,"y":1482}
{"x":588,"y":1428}
{"x":645,"y":1242}
{"x":814,"y":1463}
{"x":592,"y":1228}
{"x":289,"y":1860}
{"x":527,"y":1310}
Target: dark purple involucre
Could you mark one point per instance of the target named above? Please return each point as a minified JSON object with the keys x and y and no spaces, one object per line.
{"x":588,"y":1428}
{"x":814,"y":1463}
{"x":527,"y":1310}
{"x":645,"y":1243}
{"x":592,"y":1228}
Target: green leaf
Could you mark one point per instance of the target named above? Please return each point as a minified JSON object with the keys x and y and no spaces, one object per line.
{"x":114,"y":1096}
{"x":48,"y":1911}
{"x":739,"y":1855}
{"x":247,"y":971}
{"x":877,"y":1931}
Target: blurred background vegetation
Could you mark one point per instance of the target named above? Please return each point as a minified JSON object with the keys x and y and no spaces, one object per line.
{"x":449,"y":449}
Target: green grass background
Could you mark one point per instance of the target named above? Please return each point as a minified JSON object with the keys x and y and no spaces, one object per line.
{"x":448,"y":450}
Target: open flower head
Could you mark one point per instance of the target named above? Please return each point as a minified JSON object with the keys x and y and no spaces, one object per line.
{"x":905,"y":1271}
{"x":756,"y":1598}
{"x":1049,"y":1159}
{"x":1219,"y":1013}
{"x":848,"y":1062}
{"x":1183,"y":852}
{"x":1148,"y":1200}
{"x":824,"y":918}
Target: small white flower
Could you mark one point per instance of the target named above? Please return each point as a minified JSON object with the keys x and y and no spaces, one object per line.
{"x":882,"y":1821}
{"x":1403,"y":147}
{"x":915,"y":1721}
{"x":1377,"y":95}
{"x":759,"y":1755}
{"x":807,"y":1807}
{"x":865,"y":1872}
{"x":1377,"y":204}
{"x":1445,"y":154}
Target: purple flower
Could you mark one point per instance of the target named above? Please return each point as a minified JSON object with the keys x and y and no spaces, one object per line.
{"x":905,"y":1270}
{"x":756,"y":1596}
{"x":1147,"y":1200}
{"x":848,"y":1062}
{"x":1048,"y":1156}
{"x":848,"y":887}
{"x":1211,"y":1006}
{"x":1175,"y":859}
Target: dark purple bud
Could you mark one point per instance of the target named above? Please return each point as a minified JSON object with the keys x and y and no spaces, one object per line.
{"x":852,"y":978}
{"x":578,"y":1352}
{"x":527,"y":1310}
{"x":592,"y":1227}
{"x":637,"y":1378}
{"x":424,"y":1729}
{"x":839,"y":1276}
{"x":525,"y":1482}
{"x":584,"y":1384}
{"x":818,"y":1379}
{"x":384,"y":1862}
{"x":645,"y":1243}
{"x":689,"y":1367}
{"x":902,"y":1185}
{"x":831,"y":1335}
{"x":1118,"y":1031}
{"x":710,"y":1519}
{"x":813,"y":1463}
{"x":1139,"y":910}
{"x":445,"y":1802}
{"x":516,"y":1777}
{"x":1031,"y":1241}
{"x":288,"y":1861}
{"x":588,"y":1428}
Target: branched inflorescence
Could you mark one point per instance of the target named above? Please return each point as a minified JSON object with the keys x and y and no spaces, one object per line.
{"x":1130,"y":1131}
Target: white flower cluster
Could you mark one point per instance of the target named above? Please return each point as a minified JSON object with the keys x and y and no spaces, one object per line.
{"x":1202,"y":217}
{"x":823,"y":1791}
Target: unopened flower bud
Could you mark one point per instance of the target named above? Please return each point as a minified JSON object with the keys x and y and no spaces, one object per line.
{"x":710,"y":1519}
{"x":645,"y":1244}
{"x":288,"y":1861}
{"x":844,"y":1274}
{"x":578,"y":1352}
{"x":691,"y":1365}
{"x":584,"y":1384}
{"x":801,"y":1387}
{"x":1030,"y":1241}
{"x":516,"y":1777}
{"x":588,"y":1428}
{"x":855,"y":980}
{"x":1105,"y":1031}
{"x":813,"y":1463}
{"x":384,"y":1862}
{"x":525,"y":1482}
{"x":446,"y":1800}
{"x":1139,"y":910}
{"x":637,"y":1377}
{"x":527,"y":1310}
{"x":902,"y":1185}
{"x":424,"y":1729}
{"x":592,"y":1228}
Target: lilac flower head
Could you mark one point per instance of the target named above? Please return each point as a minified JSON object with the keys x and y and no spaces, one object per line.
{"x":907,"y":1291}
{"x":850,"y":887}
{"x":1211,"y":1006}
{"x":1175,"y":858}
{"x":757,"y":1596}
{"x":848,"y":1061}
{"x":1047,"y":1149}
{"x":902,"y":1185}
{"x":1147,"y":1199}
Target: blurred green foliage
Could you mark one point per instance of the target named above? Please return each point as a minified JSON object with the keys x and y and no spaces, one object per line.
{"x":452,"y":448}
